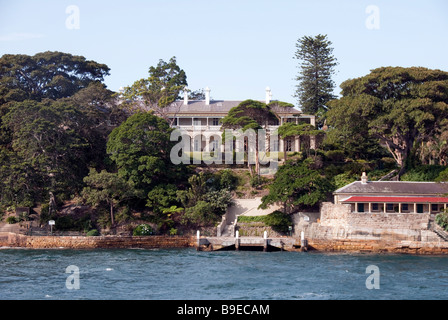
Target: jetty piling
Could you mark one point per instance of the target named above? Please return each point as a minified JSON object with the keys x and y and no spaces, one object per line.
{"x":237,"y":240}
{"x":265,"y":242}
{"x":303,"y":242}
{"x":198,"y":236}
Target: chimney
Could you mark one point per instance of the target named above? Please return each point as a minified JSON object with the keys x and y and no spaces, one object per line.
{"x":185,"y":97}
{"x":207,"y":96}
{"x":268,"y":95}
{"x":364,"y":178}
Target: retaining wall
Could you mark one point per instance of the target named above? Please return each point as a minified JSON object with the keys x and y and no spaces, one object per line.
{"x":337,"y":222}
{"x":380,"y":246}
{"x":47,"y":242}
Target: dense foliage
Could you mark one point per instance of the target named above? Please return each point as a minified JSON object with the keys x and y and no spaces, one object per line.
{"x":296,"y":185}
{"x":401,"y":108}
{"x":65,"y":139}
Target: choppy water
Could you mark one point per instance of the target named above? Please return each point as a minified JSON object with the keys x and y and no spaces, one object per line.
{"x":185,"y":274}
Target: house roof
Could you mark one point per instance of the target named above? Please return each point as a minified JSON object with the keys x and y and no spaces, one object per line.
{"x":215,"y":106}
{"x":394,"y":187}
{"x":393,"y":199}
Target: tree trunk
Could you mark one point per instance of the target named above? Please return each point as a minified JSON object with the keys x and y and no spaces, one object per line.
{"x":284,"y":150}
{"x":112,"y":213}
{"x":257,"y":158}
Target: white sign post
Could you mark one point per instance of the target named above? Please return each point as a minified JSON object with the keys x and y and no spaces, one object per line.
{"x":51,"y":223}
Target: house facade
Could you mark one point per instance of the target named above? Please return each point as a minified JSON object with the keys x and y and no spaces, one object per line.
{"x":200,"y":120}
{"x":393,"y":196}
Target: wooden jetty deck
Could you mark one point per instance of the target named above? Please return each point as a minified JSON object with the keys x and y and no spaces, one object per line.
{"x":250,"y":243}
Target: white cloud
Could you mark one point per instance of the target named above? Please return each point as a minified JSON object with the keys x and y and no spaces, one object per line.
{"x":20,"y":36}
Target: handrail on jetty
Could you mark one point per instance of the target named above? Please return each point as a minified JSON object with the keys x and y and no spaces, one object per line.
{"x":250,"y":243}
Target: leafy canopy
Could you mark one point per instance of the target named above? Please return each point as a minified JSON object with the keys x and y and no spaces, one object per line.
{"x":295,"y":185}
{"x":160,"y":89}
{"x":400,"y":107}
{"x":52,"y":75}
{"x":140,"y":148}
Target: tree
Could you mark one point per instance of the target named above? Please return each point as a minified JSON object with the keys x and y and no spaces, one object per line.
{"x":102,"y":114}
{"x":317,"y":65}
{"x":296,"y":185}
{"x":163,"y":86}
{"x":400,"y":107}
{"x":290,"y":130}
{"x":196,"y":95}
{"x":47,"y":139}
{"x":203,"y":203}
{"x":19,"y":182}
{"x":52,"y":75}
{"x":250,"y":115}
{"x":109,"y":188}
{"x":140,"y":148}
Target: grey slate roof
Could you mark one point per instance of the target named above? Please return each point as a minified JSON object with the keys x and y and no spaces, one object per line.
{"x":216,"y":106}
{"x":394,"y":187}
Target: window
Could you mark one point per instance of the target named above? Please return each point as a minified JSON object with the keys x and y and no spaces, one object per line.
{"x":275,"y":147}
{"x":390,"y":207}
{"x":375,"y":207}
{"x":434,"y":207}
{"x":214,"y":145}
{"x":404,"y":207}
{"x":196,"y":145}
{"x":288,"y":145}
{"x":360,"y":207}
{"x":419,"y":208}
{"x":197,"y":122}
{"x":215,"y":122}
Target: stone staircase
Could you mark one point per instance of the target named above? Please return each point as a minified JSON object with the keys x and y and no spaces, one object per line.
{"x":241,"y":207}
{"x":433,"y":226}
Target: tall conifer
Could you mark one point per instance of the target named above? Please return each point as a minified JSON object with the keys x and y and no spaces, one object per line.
{"x":317,"y":65}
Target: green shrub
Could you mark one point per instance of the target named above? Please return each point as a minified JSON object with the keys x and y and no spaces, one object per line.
{"x":200,"y":214}
{"x":343,"y":179}
{"x":248,"y":219}
{"x":335,"y":155}
{"x":278,"y":221}
{"x":11,"y":220}
{"x":143,"y":230}
{"x":45,"y":214}
{"x":93,"y":233}
{"x":227,"y":179}
{"x":65,"y":223}
{"x":442,"y":220}
{"x":423,"y":173}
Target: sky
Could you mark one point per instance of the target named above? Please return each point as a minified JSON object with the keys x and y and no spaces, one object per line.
{"x":236,"y":48}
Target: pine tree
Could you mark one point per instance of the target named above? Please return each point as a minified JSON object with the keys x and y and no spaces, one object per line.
{"x":317,"y":65}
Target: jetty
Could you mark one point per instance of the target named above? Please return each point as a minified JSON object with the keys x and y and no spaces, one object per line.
{"x":250,"y":243}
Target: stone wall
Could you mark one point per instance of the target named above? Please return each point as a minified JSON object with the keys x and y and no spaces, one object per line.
{"x":337,"y":222}
{"x":379,"y":246}
{"x":47,"y":242}
{"x":335,"y":215}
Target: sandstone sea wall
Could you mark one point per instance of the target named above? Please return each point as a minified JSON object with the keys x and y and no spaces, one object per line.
{"x":53,"y":242}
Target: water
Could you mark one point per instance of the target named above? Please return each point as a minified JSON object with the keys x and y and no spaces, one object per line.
{"x":186,"y":274}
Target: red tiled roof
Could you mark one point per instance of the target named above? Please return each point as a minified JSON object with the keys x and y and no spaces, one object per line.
{"x":397,"y":199}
